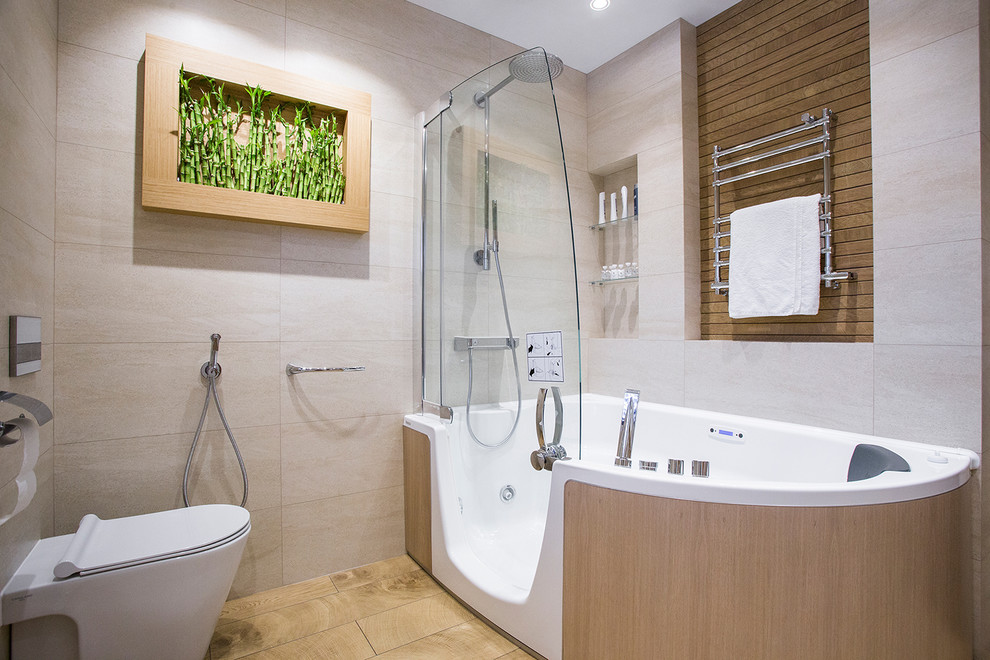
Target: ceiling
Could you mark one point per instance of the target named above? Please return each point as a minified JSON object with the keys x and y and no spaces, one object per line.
{"x":583,"y":38}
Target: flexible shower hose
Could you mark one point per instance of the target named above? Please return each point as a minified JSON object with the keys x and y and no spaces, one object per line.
{"x":515,"y":365}
{"x":211,"y":370}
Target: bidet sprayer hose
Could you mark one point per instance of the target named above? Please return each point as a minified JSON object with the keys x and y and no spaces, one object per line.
{"x":210,"y":371}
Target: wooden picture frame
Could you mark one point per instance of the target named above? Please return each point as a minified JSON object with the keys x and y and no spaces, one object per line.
{"x":162,"y":191}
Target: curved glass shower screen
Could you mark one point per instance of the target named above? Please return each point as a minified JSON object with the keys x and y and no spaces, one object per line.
{"x":500,"y":311}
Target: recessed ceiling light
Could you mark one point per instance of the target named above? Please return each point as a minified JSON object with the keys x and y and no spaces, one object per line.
{"x":599,"y":5}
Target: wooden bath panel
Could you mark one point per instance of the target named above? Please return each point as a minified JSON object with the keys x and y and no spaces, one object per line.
{"x":650,"y":577}
{"x":416,"y":490}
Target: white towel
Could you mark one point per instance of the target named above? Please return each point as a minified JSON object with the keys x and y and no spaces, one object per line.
{"x":775,"y":258}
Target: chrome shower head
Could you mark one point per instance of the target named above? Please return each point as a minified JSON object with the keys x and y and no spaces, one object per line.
{"x":533,"y":66}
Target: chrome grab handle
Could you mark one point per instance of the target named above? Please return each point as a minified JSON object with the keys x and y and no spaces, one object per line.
{"x":293,"y":369}
{"x":544,"y":457}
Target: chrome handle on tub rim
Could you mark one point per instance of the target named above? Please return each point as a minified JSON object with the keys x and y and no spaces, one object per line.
{"x":293,"y":369}
{"x":544,"y":457}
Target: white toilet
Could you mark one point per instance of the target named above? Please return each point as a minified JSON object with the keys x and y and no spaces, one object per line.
{"x":149,"y":586}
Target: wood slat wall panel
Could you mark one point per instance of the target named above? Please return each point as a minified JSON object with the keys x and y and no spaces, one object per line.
{"x":761,"y":64}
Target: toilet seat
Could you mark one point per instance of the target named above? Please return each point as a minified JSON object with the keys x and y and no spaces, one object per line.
{"x":106,"y":545}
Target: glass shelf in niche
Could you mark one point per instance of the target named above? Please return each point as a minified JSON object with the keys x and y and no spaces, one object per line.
{"x":615,"y":281}
{"x":613,"y":223}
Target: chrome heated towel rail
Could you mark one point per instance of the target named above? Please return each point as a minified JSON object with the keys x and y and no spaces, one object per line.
{"x":822,"y":141}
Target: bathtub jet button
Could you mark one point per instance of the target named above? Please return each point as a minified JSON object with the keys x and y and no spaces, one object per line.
{"x":675,"y":466}
{"x":648,"y":465}
{"x":699,"y":468}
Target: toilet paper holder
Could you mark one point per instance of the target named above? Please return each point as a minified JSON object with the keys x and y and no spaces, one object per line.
{"x":38,"y":410}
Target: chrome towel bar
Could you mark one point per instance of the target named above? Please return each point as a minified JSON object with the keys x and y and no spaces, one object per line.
{"x":293,"y":369}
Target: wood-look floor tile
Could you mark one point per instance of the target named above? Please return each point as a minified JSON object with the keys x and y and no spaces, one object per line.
{"x":518,"y":654}
{"x":393,"y":628}
{"x":472,"y":640}
{"x":362,"y":575}
{"x":345,"y":642}
{"x":240,"y":638}
{"x":273,"y":599}
{"x":380,"y":596}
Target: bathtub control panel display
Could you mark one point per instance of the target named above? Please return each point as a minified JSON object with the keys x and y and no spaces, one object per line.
{"x":725,"y":434}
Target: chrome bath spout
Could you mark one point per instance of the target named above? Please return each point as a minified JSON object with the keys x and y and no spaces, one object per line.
{"x":627,"y":429}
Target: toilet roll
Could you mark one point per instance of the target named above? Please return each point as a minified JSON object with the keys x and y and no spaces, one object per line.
{"x":25,"y":481}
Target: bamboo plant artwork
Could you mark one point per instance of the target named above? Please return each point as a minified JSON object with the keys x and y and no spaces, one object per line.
{"x":280,"y":148}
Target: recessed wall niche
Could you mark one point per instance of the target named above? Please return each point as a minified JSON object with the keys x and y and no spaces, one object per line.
{"x":162,"y":190}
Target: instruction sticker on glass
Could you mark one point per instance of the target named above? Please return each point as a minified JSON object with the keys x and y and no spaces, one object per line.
{"x":545,"y":356}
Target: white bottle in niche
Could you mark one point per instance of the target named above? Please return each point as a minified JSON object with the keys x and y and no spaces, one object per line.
{"x":601,"y":208}
{"x":625,"y":202}
{"x":614,"y":215}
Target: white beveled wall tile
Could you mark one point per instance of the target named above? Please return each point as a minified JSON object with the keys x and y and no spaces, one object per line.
{"x":261,"y":564}
{"x":929,"y":294}
{"x":163,"y":296}
{"x":340,"y":457}
{"x":131,"y":476}
{"x":655,"y":368}
{"x":328,"y":302}
{"x":389,"y":242}
{"x":644,"y":65}
{"x":929,"y":394}
{"x":943,"y":103}
{"x":27,"y":53}
{"x":403,"y":28}
{"x":917,"y":204}
{"x":98,"y":202}
{"x":783,"y":381}
{"x":898,"y":26}
{"x":223,"y":26}
{"x":325,"y":536}
{"x":384,"y":387}
{"x":27,"y":180}
{"x":130,"y":390}
{"x":316,"y":53}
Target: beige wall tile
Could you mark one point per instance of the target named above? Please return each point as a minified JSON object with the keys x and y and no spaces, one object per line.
{"x":28,"y":176}
{"x":943,"y":104}
{"x":384,"y":387}
{"x":163,"y":296}
{"x":343,"y":60}
{"x":27,"y":53}
{"x":929,"y":394}
{"x":926,"y":294}
{"x":108,"y":391}
{"x":320,"y":302}
{"x":274,"y":6}
{"x":97,"y":99}
{"x":392,"y":161}
{"x":783,"y":381}
{"x":132,"y":476}
{"x":916,"y":204}
{"x":224,"y":26}
{"x":898,"y":26}
{"x":329,"y":535}
{"x":99,"y":203}
{"x":642,"y":66}
{"x":662,"y":306}
{"x":339,"y":457}
{"x":26,"y":270}
{"x":401,"y":28}
{"x":655,"y":368}
{"x":261,"y":564}
{"x":390,"y":241}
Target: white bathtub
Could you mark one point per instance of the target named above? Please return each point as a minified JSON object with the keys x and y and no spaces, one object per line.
{"x":505,"y":558}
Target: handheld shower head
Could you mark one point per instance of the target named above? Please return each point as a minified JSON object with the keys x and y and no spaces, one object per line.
{"x":533,"y":66}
